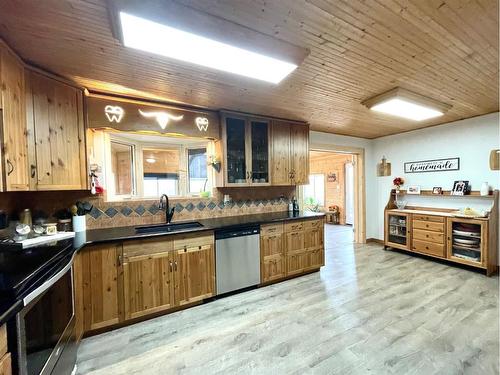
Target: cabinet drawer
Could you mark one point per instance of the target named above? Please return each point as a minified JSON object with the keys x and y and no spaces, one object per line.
{"x":312,"y":224}
{"x":428,"y":248}
{"x":193,"y":240}
{"x":294,"y":226}
{"x":270,"y":229}
{"x":428,"y":236}
{"x":428,"y":225}
{"x":271,"y":244}
{"x":313,"y":238}
{"x":437,"y":219}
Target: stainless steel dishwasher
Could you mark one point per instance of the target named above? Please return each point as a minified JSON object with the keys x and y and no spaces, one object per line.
{"x":237,"y":258}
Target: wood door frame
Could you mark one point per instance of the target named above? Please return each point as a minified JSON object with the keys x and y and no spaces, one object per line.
{"x":359,"y":184}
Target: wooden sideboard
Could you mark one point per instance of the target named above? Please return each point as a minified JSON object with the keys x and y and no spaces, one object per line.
{"x":439,"y":233}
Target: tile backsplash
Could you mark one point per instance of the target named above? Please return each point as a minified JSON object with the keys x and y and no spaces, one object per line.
{"x":109,"y":214}
{"x":245,"y":201}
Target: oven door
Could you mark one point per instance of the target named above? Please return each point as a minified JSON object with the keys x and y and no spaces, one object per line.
{"x":46,"y":323}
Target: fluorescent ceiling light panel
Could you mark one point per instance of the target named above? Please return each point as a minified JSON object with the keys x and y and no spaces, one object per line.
{"x":406,"y":104}
{"x":406,"y":109}
{"x":149,"y":36}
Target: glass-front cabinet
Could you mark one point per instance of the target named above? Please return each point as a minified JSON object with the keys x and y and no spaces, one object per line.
{"x":398,"y":230}
{"x":246,"y":150}
{"x":467,"y":240}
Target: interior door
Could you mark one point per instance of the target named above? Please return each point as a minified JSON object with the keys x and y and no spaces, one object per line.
{"x":349,"y":193}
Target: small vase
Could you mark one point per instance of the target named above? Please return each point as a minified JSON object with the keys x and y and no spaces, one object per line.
{"x":485,"y":189}
{"x":79,"y":223}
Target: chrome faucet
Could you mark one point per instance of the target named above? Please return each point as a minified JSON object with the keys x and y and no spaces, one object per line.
{"x":164,"y":205}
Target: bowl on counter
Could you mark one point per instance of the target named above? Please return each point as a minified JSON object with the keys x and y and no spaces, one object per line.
{"x":401,"y":204}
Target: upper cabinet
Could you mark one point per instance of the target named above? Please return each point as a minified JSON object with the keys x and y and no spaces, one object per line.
{"x":41,"y":129}
{"x":289,"y":153}
{"x":263,"y":152}
{"x":246,"y":150}
{"x":14,"y":149}
{"x":58,"y":156}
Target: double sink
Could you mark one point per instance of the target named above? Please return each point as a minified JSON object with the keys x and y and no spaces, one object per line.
{"x":169,"y":228}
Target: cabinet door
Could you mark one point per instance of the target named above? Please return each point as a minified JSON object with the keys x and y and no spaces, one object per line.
{"x":297,"y":262}
{"x":59,"y":135}
{"x":397,"y":230}
{"x":194,"y":274}
{"x":313,"y":238}
{"x":102,"y":277}
{"x":280,"y":153}
{"x":147,"y":284}
{"x":299,"y":135}
{"x":78,"y":287}
{"x":273,"y":268}
{"x":13,"y":123}
{"x":259,"y":137}
{"x":294,"y":242}
{"x":234,"y":133}
{"x":6,"y":365}
{"x":272,"y":257}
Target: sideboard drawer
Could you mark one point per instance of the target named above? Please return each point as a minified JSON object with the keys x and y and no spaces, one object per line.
{"x":428,"y":248}
{"x":437,"y":219}
{"x":428,"y":225}
{"x":429,"y":236}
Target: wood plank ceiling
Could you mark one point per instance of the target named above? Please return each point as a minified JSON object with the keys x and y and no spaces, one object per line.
{"x":444,"y":49}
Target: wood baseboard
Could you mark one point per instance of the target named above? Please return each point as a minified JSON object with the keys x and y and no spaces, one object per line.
{"x":374,"y":240}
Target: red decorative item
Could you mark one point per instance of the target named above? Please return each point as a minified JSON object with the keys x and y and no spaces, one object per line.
{"x":398,"y":181}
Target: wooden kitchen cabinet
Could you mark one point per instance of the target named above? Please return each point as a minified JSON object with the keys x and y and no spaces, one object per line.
{"x":14,"y":149}
{"x":194,"y":273}
{"x":289,"y":153}
{"x":246,"y":150}
{"x":5,"y":357}
{"x":78,"y":295}
{"x":272,"y":260}
{"x":55,"y":115}
{"x":291,"y":248}
{"x":102,"y":285}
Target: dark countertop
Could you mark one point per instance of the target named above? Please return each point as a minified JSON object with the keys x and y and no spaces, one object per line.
{"x":9,"y":307}
{"x":128,"y":233}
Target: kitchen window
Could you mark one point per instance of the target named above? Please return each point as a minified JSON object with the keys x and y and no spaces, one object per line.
{"x":197,"y":170}
{"x":314,"y":192}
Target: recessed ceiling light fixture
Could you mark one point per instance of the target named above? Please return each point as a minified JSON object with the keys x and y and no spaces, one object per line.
{"x":403,"y":103}
{"x":146,"y":35}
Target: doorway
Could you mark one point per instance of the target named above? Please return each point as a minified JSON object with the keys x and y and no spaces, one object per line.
{"x":334,"y":188}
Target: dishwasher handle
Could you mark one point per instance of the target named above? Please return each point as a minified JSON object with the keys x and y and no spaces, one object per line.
{"x":237,"y":232}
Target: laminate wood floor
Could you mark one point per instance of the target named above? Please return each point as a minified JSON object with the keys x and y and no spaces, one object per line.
{"x":368,"y":311}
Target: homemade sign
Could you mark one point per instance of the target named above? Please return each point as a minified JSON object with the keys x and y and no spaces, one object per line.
{"x":437,"y":165}
{"x":128,"y":115}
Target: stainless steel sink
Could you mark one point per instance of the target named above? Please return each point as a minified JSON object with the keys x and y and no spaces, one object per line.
{"x":168,"y":227}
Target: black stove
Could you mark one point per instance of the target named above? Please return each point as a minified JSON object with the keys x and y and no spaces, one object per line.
{"x":22,"y":270}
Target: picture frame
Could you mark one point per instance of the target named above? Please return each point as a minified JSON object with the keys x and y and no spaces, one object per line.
{"x":332,"y":176}
{"x":461,"y":187}
{"x":437,"y":190}
{"x":415,"y":190}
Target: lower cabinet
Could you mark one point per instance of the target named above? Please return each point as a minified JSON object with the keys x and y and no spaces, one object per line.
{"x":5,"y":357}
{"x":292,"y":249}
{"x":102,"y":287}
{"x":123,"y":281}
{"x":194,"y":274}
